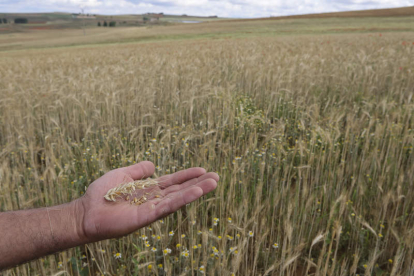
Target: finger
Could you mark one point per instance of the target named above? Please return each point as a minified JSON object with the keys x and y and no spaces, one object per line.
{"x":158,"y":208}
{"x":191,"y":182}
{"x":170,"y":205}
{"x":141,"y":170}
{"x":206,"y":185}
{"x":175,"y":201}
{"x":180,"y":177}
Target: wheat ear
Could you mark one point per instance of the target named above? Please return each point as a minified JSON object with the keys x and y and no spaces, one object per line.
{"x":129,"y":188}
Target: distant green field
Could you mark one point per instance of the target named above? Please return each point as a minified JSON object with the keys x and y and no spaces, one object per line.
{"x":72,"y":20}
{"x":42,"y":35}
{"x":38,"y":16}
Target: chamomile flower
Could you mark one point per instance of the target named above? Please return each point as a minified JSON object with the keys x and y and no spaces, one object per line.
{"x":251,"y":234}
{"x":171,"y":233}
{"x":154,"y":249}
{"x":215,"y":251}
{"x":144,"y":238}
{"x":60,"y":264}
{"x":201,"y":269}
{"x":118,"y":255}
{"x":166,"y":251}
{"x":230,"y":238}
{"x":178,"y":245}
{"x":195,"y":247}
{"x":229,"y":219}
{"x":183,"y":236}
{"x":199,"y":232}
{"x":185,"y":254}
{"x":275,"y":245}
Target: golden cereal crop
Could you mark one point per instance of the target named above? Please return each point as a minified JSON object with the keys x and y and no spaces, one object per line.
{"x":312,"y":137}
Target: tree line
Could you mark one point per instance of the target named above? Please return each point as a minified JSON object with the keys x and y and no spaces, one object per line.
{"x":106,"y":24}
{"x":19,"y":20}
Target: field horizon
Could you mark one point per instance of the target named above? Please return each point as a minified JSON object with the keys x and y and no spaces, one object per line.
{"x":70,"y":34}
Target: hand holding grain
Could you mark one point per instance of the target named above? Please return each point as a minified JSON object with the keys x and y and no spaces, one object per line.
{"x":30,"y":234}
{"x":106,"y":219}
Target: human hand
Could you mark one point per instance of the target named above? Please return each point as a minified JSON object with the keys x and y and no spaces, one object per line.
{"x":103,"y":219}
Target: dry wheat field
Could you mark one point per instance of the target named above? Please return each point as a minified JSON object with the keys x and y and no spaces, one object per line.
{"x":312,"y":136}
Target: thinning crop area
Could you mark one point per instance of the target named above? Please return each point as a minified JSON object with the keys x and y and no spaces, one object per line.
{"x":312,"y":136}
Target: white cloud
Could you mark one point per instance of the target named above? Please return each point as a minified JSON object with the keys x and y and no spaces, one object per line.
{"x":223,"y":8}
{"x":77,"y":3}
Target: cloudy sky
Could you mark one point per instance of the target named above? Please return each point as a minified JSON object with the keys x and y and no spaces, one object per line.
{"x":222,"y":8}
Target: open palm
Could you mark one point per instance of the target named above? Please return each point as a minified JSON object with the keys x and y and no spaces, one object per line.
{"x":103,"y":219}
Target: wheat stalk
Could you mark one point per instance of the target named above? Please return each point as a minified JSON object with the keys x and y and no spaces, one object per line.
{"x":127,"y":189}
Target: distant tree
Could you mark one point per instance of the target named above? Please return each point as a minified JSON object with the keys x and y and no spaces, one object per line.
{"x":145,"y":19}
{"x":99,"y":23}
{"x":105,"y":24}
{"x":112,"y":24}
{"x":20,"y":20}
{"x":1,"y":21}
{"x":5,"y":20}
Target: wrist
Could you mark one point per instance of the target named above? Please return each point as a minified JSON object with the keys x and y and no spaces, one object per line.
{"x":76,"y":214}
{"x":65,"y":225}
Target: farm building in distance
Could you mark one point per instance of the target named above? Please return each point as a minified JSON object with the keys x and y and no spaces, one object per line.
{"x":154,"y":17}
